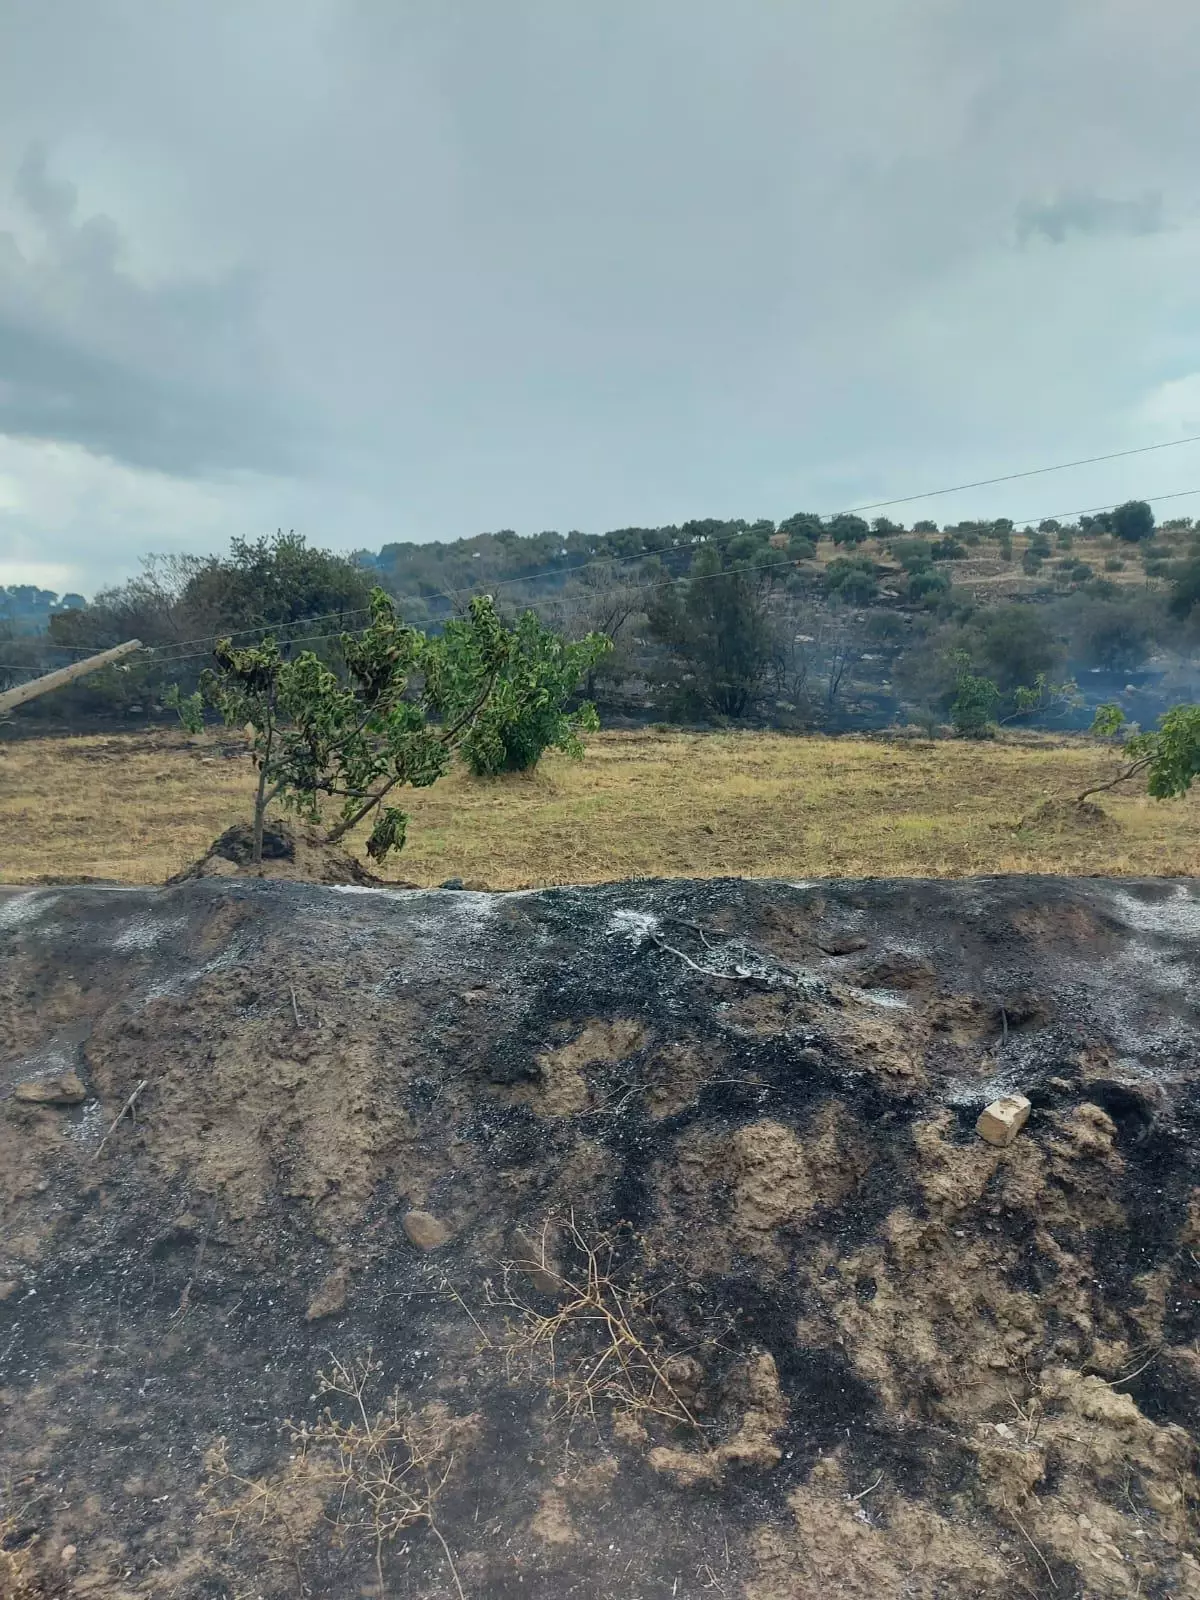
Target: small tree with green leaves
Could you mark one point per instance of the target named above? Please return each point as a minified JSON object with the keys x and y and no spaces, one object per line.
{"x":973,"y":709}
{"x":527,"y":713}
{"x":353,"y":741}
{"x":1168,"y":756}
{"x":189,"y":708}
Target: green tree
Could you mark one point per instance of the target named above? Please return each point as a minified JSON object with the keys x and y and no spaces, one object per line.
{"x":717,"y":630}
{"x":188,"y":708}
{"x":974,"y":706}
{"x":852,"y":579}
{"x":848,"y":529}
{"x":527,"y":712}
{"x":1132,"y":521}
{"x":317,"y":738}
{"x":927,"y":585}
{"x":1015,"y":644}
{"x":804,"y":525}
{"x":1185,"y":589}
{"x":272,"y":581}
{"x":1168,"y":755}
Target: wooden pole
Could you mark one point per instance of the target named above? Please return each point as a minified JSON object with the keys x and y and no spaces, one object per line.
{"x":11,"y":698}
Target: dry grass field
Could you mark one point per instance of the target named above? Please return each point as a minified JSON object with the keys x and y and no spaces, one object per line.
{"x":138,"y":807}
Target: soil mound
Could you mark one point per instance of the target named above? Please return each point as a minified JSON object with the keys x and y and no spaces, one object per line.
{"x":1072,"y":815}
{"x":297,"y":854}
{"x":627,"y":1241}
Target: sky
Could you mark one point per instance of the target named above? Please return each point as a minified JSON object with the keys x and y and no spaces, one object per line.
{"x":379,"y":270}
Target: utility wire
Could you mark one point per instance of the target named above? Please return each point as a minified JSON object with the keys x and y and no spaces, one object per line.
{"x":708,"y":577}
{"x":452,"y":594}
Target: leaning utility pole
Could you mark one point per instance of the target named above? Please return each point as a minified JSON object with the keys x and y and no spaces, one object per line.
{"x":11,"y":698}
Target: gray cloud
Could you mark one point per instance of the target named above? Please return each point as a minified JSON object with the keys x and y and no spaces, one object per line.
{"x":1085,"y":212}
{"x":161,"y":375}
{"x":422,"y":270}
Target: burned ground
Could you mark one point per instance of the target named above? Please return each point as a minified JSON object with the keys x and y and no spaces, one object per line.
{"x":658,"y":1209}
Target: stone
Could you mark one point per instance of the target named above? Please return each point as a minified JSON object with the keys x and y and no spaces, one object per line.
{"x":842,"y":944}
{"x":1002,"y":1121}
{"x":68,"y":1554}
{"x":330,"y":1296}
{"x":453,"y":883}
{"x":64,"y":1089}
{"x":424,"y":1230}
{"x":527,"y":1257}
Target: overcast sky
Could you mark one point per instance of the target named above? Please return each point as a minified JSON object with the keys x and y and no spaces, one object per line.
{"x":385,"y":270}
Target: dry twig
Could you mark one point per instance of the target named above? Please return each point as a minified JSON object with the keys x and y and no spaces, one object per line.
{"x":601,"y":1343}
{"x":127,"y":1107}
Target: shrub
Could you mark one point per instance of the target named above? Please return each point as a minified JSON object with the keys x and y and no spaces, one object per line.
{"x":852,"y":578}
{"x":527,"y":711}
{"x":927,"y":585}
{"x":974,"y":706}
{"x":948,"y":549}
{"x":1114,"y":564}
{"x":317,"y":737}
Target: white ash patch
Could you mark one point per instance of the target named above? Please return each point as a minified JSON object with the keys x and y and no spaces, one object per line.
{"x":635,"y":927}
{"x":19,"y":908}
{"x":889,"y":999}
{"x":143,"y":933}
{"x":1177,"y":917}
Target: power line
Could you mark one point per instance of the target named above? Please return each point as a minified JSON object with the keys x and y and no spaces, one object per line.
{"x":452,"y":594}
{"x":1033,"y":472}
{"x":707,"y":577}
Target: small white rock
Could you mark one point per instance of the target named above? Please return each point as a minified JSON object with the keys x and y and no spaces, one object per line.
{"x":1002,"y":1121}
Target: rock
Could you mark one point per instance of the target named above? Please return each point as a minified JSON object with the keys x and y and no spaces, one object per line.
{"x":330,"y":1296}
{"x":64,"y":1089}
{"x":424,"y":1230}
{"x":1002,"y":1121}
{"x":452,"y":883}
{"x":529,"y":1256}
{"x":68,"y":1554}
{"x":842,"y":944}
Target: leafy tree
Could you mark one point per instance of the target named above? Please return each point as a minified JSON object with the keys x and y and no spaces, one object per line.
{"x":277,"y":580}
{"x":927,"y":585}
{"x":925,"y":526}
{"x":718,"y":632}
{"x":801,"y":549}
{"x":848,"y":529}
{"x":948,"y":549}
{"x":188,"y":708}
{"x":885,"y":528}
{"x":527,"y":711}
{"x":1015,"y":644}
{"x":1043,"y":698}
{"x":1031,"y":562}
{"x":1185,"y":589}
{"x":1049,"y":525}
{"x":1112,"y":634}
{"x":852,"y":579}
{"x":1132,"y":521}
{"x":974,"y":707}
{"x":913,"y":554}
{"x":804,"y":525}
{"x":1169,"y":755}
{"x":315,"y":737}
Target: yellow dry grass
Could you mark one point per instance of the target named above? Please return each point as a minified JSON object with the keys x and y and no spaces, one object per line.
{"x":139,"y":807}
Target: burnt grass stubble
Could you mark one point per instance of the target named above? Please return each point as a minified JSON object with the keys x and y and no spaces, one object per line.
{"x":148,"y":1320}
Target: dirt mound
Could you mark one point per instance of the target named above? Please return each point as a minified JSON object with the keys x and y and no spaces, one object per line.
{"x":297,"y":854}
{"x":1071,"y":816}
{"x":629,"y":1241}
